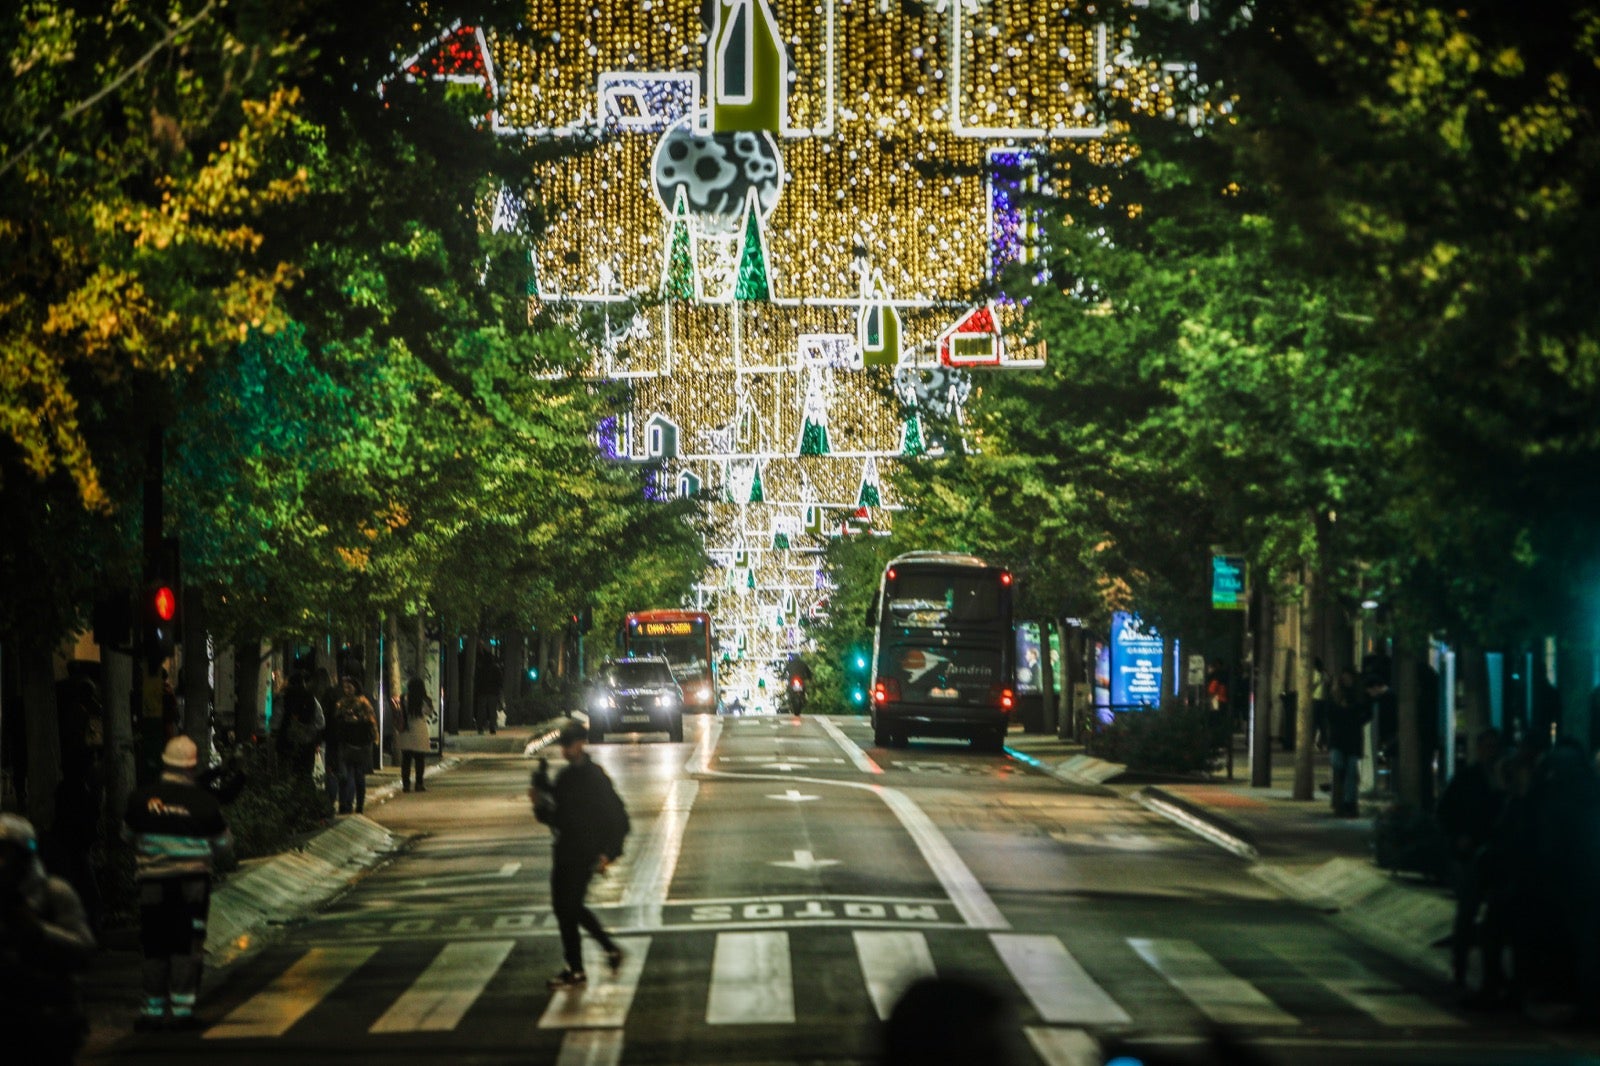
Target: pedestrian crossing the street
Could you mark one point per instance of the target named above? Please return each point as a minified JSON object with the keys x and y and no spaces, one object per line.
{"x":765,"y":980}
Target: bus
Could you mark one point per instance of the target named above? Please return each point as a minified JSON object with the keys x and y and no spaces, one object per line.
{"x":685,"y":640}
{"x":943,"y":651}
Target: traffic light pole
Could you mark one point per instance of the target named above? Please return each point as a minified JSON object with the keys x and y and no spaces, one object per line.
{"x":149,"y":730}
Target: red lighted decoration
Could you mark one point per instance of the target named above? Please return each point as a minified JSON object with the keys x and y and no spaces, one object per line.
{"x":457,"y":57}
{"x":973,"y":341}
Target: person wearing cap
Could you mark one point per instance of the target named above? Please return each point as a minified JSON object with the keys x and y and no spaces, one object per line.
{"x":44,"y":941}
{"x":179,"y":834}
{"x":589,"y":823}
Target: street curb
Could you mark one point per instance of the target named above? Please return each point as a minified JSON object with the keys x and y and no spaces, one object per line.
{"x":278,"y":889}
{"x":290,"y":884}
{"x":1392,"y":916}
{"x":1073,"y":771}
{"x":1198,"y":820}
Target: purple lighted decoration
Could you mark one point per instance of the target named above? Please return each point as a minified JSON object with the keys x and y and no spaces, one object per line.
{"x":609,"y":439}
{"x":1008,"y":172}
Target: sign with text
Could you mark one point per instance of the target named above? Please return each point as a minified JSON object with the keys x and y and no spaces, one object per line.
{"x":1229,"y":583}
{"x":1135,"y":662}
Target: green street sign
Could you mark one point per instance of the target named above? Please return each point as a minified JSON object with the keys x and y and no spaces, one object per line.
{"x":1230,"y":579}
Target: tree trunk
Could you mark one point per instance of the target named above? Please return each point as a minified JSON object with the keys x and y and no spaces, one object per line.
{"x":196,"y":674}
{"x":1408,"y":758}
{"x":516,"y":667}
{"x":1262,"y":688}
{"x":120,"y":711}
{"x":422,"y":645}
{"x":1304,"y":774}
{"x":43,"y":737}
{"x":1047,"y":679}
{"x":391,"y":653}
{"x":469,"y":677}
{"x":247,"y":675}
{"x":452,"y":679}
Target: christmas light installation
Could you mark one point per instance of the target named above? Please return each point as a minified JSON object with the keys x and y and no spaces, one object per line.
{"x":788,"y":219}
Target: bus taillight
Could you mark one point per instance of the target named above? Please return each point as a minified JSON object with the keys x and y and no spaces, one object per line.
{"x":887,"y":690}
{"x":1003,"y":697}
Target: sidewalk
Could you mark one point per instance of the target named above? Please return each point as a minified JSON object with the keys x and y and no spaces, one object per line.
{"x":1297,"y":846}
{"x":265,"y":895}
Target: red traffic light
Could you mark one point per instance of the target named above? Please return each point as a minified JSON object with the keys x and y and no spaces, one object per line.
{"x":165,"y":602}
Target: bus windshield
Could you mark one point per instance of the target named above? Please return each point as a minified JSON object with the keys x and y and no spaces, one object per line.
{"x":925,"y":599}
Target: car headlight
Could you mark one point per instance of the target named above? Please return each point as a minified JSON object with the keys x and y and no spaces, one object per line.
{"x":603,"y":702}
{"x":703,"y":693}
{"x":666,"y":700}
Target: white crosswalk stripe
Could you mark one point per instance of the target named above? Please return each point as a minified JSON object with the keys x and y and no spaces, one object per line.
{"x":751,"y":982}
{"x":606,"y":1001}
{"x":1382,"y":999}
{"x":274,"y":1010}
{"x":890,"y":961}
{"x":1057,"y":986}
{"x":442,"y":993}
{"x":1222,"y":997}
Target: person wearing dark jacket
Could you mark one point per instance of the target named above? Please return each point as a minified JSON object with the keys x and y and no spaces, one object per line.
{"x":178,"y":833}
{"x":1467,"y":811}
{"x":589,"y":823}
{"x":44,"y":942}
{"x":1348,"y":715}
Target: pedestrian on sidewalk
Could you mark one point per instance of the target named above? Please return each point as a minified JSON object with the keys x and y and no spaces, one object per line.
{"x":411,"y":732}
{"x":1321,"y":703}
{"x":44,"y":942}
{"x":1348,"y":715}
{"x":328,"y":694}
{"x":1383,"y":708}
{"x":300,"y":727}
{"x":178,"y":834}
{"x":353,"y":733}
{"x":1468,"y":809}
{"x":589,"y":823}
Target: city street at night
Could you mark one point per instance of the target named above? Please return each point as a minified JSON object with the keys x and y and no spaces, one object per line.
{"x":783,"y":882}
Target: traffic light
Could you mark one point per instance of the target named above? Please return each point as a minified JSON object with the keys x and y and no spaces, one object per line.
{"x":533,"y":673}
{"x":857,"y":664}
{"x":158,"y":609}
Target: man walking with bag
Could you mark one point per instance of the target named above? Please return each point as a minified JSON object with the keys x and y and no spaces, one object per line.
{"x":589,"y":823}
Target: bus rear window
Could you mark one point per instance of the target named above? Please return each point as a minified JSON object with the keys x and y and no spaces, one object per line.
{"x":933,"y":599}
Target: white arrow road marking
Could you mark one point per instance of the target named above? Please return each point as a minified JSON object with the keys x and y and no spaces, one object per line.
{"x":803,"y":860}
{"x":784,"y":766}
{"x":793,"y":796}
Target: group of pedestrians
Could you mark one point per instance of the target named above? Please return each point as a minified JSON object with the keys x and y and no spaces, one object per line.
{"x":342,"y":722}
{"x":1524,"y":831}
{"x":1346,"y":709}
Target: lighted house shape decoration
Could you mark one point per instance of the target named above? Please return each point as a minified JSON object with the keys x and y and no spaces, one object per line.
{"x":816,"y":520}
{"x":752,"y":282}
{"x":749,"y":69}
{"x":878,"y":327}
{"x":660,"y":438}
{"x":679,"y":278}
{"x":459,"y":55}
{"x":973,"y":341}
{"x":688,"y":484}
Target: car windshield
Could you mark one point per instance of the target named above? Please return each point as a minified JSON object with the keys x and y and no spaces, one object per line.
{"x":633,"y":673}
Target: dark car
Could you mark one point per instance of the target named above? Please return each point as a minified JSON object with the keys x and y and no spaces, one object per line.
{"x":635,"y":696}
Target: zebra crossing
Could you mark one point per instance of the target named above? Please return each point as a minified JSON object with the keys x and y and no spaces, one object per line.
{"x":754,"y":979}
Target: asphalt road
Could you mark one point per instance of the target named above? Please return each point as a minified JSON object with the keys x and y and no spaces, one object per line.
{"x":783,"y":882}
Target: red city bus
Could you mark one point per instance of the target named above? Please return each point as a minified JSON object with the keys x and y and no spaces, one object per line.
{"x":685,"y":640}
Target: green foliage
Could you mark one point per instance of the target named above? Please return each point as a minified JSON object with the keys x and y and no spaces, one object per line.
{"x":1173,"y":739}
{"x":274,"y":807}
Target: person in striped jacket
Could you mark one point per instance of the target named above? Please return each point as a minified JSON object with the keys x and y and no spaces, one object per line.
{"x":178,"y":834}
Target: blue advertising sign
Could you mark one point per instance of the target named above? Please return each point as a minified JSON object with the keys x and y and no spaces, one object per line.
{"x":1030,"y":674}
{"x":1228,"y":583}
{"x":1135,"y":662}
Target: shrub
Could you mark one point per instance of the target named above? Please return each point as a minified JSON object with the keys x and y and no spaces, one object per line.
{"x":1171,"y":739}
{"x":274,"y":807}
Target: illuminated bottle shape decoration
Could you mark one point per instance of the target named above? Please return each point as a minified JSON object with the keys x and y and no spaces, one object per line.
{"x":878,"y":328}
{"x":748,"y":68}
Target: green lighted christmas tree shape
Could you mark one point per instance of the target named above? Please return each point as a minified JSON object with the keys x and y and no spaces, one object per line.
{"x":757,"y":494}
{"x":814,"y":439}
{"x":868,"y":496}
{"x":752,"y":283}
{"x":911,"y":441}
{"x":678,"y":281}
